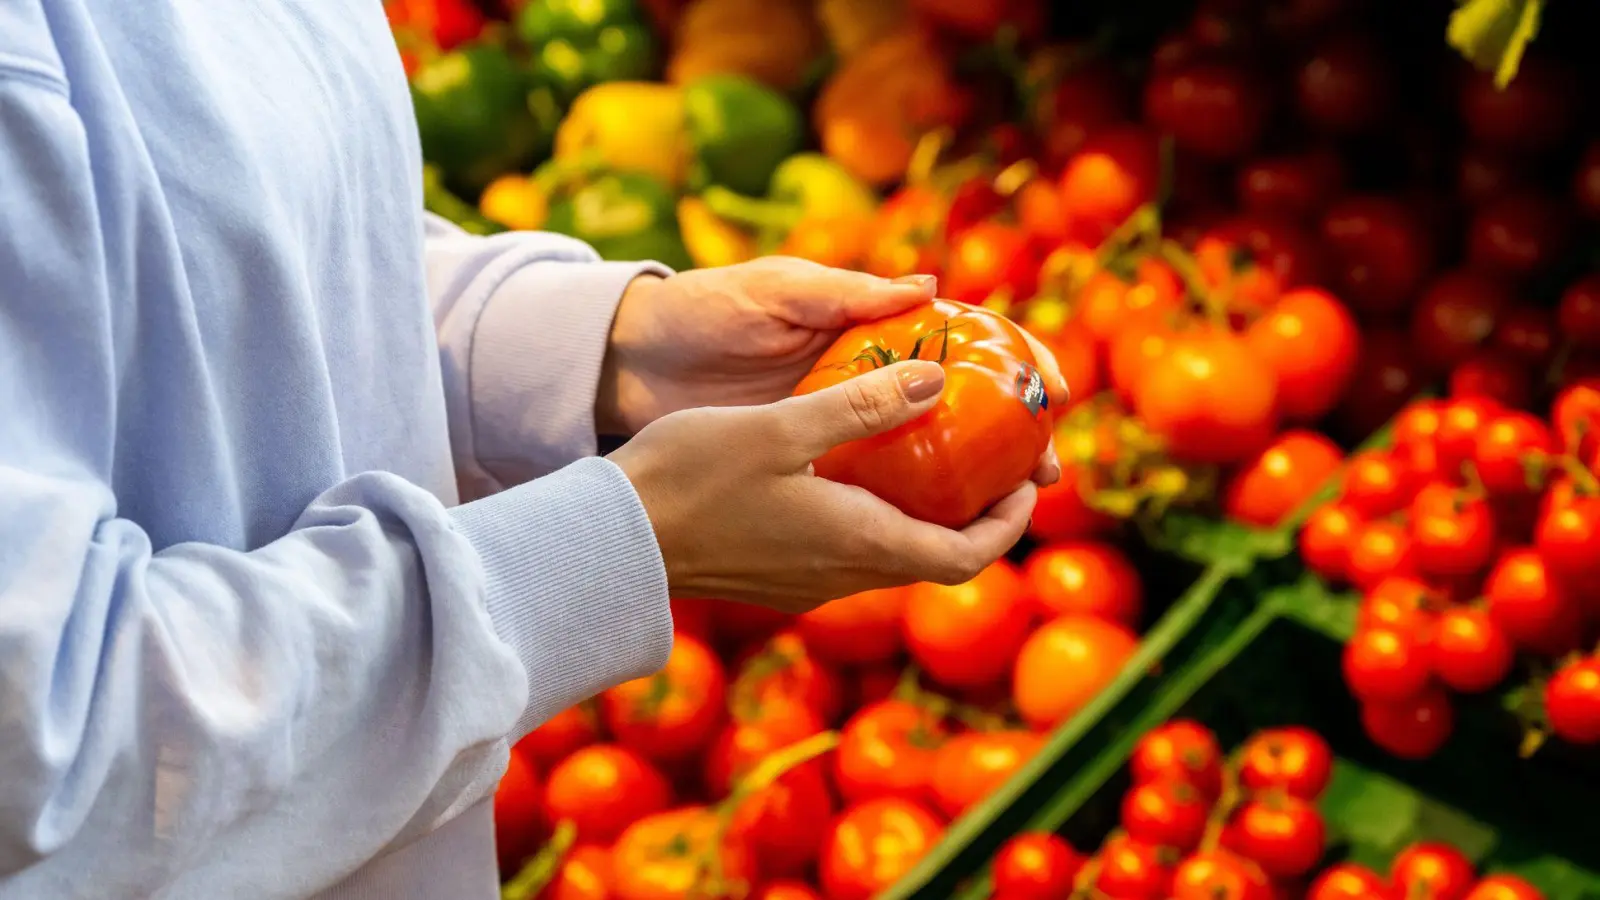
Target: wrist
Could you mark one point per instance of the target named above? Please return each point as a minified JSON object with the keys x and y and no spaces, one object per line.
{"x":621,"y":395}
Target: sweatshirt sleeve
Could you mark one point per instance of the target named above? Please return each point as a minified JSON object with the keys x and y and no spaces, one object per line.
{"x":257,"y":723}
{"x":523,"y":321}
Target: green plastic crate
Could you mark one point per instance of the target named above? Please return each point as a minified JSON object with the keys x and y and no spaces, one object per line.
{"x":1265,"y":656}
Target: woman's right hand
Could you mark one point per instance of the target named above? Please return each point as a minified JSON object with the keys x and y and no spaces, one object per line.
{"x":739,"y":516}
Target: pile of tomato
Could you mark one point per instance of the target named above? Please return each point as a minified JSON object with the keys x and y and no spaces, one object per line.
{"x":906,"y":707}
{"x":1195,"y":825}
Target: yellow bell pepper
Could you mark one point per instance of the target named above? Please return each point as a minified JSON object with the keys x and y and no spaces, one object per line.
{"x":515,"y":201}
{"x":711,"y":240}
{"x":634,"y":126}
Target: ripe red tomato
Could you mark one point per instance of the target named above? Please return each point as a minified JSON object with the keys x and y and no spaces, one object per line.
{"x":518,"y":814}
{"x":1345,"y":86}
{"x":1217,"y":110}
{"x":1399,"y":603}
{"x":1528,"y":333}
{"x":858,"y":630}
{"x":1257,"y":257}
{"x":1169,"y":812}
{"x":873,"y":844}
{"x":1387,"y":376}
{"x":1460,"y":420}
{"x":1503,"y":887}
{"x":977,"y":445}
{"x":1572,"y":702}
{"x":585,"y":874}
{"x":664,"y":856}
{"x":1283,"y":834}
{"x":1117,"y":171}
{"x":1326,"y":539}
{"x":1380,"y":250}
{"x":1381,"y":548}
{"x":1295,"y":759}
{"x":1083,"y":578}
{"x":1530,"y":605}
{"x":1532,"y":114}
{"x":1066,"y":663}
{"x":671,"y":715}
{"x":967,"y":635}
{"x":1495,"y":375}
{"x":1133,"y":870}
{"x":1107,"y":303}
{"x":785,"y":822}
{"x":1576,"y":416}
{"x":1482,"y":175}
{"x":1452,"y":532}
{"x":1210,"y":398}
{"x":781,"y":674}
{"x":1378,"y":483}
{"x":561,"y":734}
{"x":742,"y":744}
{"x":1298,"y":186}
{"x":1410,"y":729}
{"x":1311,"y":343}
{"x":904,"y":229}
{"x":1469,"y":652}
{"x":1433,"y":870}
{"x":1385,"y":665}
{"x":1519,"y":234}
{"x":1504,"y":448}
{"x":1061,"y":513}
{"x":1035,"y":866}
{"x":1579,"y":311}
{"x":1282,"y":478}
{"x":888,"y":749}
{"x":1136,"y":346}
{"x":1348,"y":881}
{"x":1219,"y":875}
{"x":1456,"y":314}
{"x":602,"y":788}
{"x":1567,"y":536}
{"x":991,"y":259}
{"x":1180,"y":749}
{"x":970,"y":767}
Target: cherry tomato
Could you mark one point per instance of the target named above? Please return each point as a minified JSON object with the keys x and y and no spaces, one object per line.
{"x":1416,"y":434}
{"x":1380,"y":549}
{"x":1532,"y":114}
{"x":872,"y":845}
{"x":671,"y":715}
{"x":1326,"y":539}
{"x":1273,"y":251}
{"x":1576,"y":416}
{"x":1432,"y":870}
{"x":1385,"y":665}
{"x":1281,"y":833}
{"x":1180,"y":749}
{"x":1455,"y":315}
{"x":858,"y":630}
{"x":1210,"y":398}
{"x":1107,"y":303}
{"x":1133,"y":870}
{"x":585,"y":874}
{"x":944,"y":468}
{"x":1567,"y":535}
{"x":1219,"y":875}
{"x":1503,"y":887}
{"x":1378,"y":483}
{"x":783,"y":673}
{"x":1518,"y":234}
{"x":1344,"y":87}
{"x":1504,"y":449}
{"x":1116,"y":172}
{"x":971,"y":766}
{"x":1298,"y":186}
{"x":888,"y":749}
{"x":602,"y":788}
{"x":1586,"y":181}
{"x":1348,"y":881}
{"x":1399,"y":603}
{"x":1135,"y":347}
{"x":1387,"y":376}
{"x":1410,"y":729}
{"x":1081,"y":578}
{"x":1482,"y":175}
{"x":1460,"y":420}
{"x":1166,"y":813}
{"x":989,"y":259}
{"x":742,"y":744}
{"x":786,"y":889}
{"x":967,"y":635}
{"x":1452,"y":532}
{"x":1380,"y":250}
{"x":560,"y":735}
{"x":1061,"y":514}
{"x":1065,"y":663}
{"x":1035,"y":866}
{"x":518,"y":814}
{"x":1530,"y":605}
{"x":1579,"y":312}
{"x":784,"y":823}
{"x":1295,"y":759}
{"x":1572,"y":702}
{"x":1528,"y":333}
{"x":1282,"y":478}
{"x":664,"y":856}
{"x":1215,"y":109}
{"x":1311,"y":343}
{"x":1470,"y":653}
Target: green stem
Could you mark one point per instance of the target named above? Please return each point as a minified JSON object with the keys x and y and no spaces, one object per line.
{"x":1181,"y":262}
{"x":542,"y":868}
{"x":751,"y":212}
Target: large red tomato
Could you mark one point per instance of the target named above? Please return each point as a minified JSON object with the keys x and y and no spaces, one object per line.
{"x":602,"y":788}
{"x":971,"y":766}
{"x":1210,"y":397}
{"x":665,"y":856}
{"x":780,"y":673}
{"x":871,"y":846}
{"x":888,"y":749}
{"x":1066,"y":663}
{"x":1086,"y":578}
{"x":966,"y":635}
{"x":977,"y":445}
{"x":857,"y":630}
{"x":672,"y":714}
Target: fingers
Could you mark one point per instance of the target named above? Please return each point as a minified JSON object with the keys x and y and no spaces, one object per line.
{"x":823,"y":298}
{"x":861,"y":407}
{"x":1048,"y":471}
{"x":1060,"y":392}
{"x":925,"y":552}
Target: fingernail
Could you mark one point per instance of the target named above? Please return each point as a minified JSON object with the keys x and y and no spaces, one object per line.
{"x":921,"y":380}
{"x":922,"y":281}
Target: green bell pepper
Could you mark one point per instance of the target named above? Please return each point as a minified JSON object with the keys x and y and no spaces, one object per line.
{"x":580,"y":43}
{"x":478,"y":118}
{"x":740,"y":130}
{"x":623,"y":215}
{"x":804,"y":186}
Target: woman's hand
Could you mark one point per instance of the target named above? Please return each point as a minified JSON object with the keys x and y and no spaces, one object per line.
{"x":739,"y":516}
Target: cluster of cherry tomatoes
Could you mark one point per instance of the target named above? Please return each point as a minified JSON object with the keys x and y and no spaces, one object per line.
{"x":1195,"y":825}
{"x":938,"y":696}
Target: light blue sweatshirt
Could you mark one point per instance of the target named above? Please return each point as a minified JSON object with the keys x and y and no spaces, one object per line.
{"x":250,"y":647}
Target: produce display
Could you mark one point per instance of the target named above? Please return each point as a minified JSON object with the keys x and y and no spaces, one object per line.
{"x":1321,"y":276}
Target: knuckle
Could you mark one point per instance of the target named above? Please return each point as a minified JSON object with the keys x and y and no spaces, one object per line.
{"x":869,"y":400}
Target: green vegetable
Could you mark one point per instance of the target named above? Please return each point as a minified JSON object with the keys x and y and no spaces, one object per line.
{"x":478,"y":118}
{"x":580,"y":43}
{"x":805,"y":186}
{"x":437,"y":199}
{"x":623,"y":215}
{"x":1492,"y":34}
{"x":740,"y":130}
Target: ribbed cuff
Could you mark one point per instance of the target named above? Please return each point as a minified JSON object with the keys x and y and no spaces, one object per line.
{"x":576,"y":584}
{"x":536,"y":357}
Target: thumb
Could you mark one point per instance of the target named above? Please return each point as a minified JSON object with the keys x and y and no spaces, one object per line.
{"x":863,"y":406}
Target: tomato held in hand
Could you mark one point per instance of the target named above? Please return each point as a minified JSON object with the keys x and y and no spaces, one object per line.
{"x":665,"y":856}
{"x":888,"y":749}
{"x":1433,"y":870}
{"x":1083,"y":578}
{"x":872,"y":845}
{"x":518,"y":814}
{"x":671,"y":715}
{"x":971,"y":766}
{"x":983,"y":438}
{"x":1066,"y":663}
{"x":1285,"y":475}
{"x":966,"y":635}
{"x":603,"y":788}
{"x":1295,"y":759}
{"x":1210,"y":398}
{"x":1035,"y":866}
{"x":857,"y":630}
